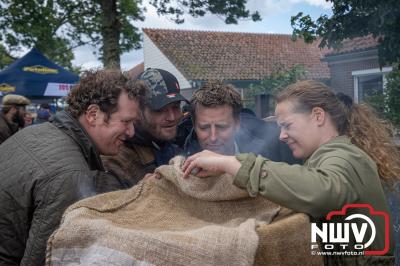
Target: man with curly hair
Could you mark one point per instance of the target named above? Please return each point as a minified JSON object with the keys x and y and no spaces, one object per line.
{"x":47,"y":167}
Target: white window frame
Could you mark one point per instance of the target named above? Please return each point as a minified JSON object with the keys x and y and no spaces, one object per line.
{"x":358,"y":73}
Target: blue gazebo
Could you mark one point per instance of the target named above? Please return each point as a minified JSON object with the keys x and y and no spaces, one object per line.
{"x":35,"y":76}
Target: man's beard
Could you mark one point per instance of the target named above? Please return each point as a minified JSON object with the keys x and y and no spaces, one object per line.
{"x":18,"y":119}
{"x":150,"y":128}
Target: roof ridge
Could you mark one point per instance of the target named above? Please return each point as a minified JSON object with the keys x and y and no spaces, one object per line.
{"x":216,"y":31}
{"x":204,"y":54}
{"x":356,"y":44}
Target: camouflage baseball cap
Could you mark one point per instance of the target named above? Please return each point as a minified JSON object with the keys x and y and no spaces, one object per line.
{"x":163,"y":88}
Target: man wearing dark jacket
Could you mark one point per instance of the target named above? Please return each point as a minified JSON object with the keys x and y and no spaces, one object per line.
{"x":221,"y":125}
{"x":151,"y":146}
{"x":47,"y":167}
{"x":12,"y":115}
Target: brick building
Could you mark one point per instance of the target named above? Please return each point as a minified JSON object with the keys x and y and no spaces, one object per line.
{"x":355,"y":70}
{"x":238,"y":58}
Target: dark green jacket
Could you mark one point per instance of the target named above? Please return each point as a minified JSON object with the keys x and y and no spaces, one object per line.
{"x":44,"y":169}
{"x":337,"y":173}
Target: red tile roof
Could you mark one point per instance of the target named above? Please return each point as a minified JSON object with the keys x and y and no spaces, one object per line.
{"x":135,"y":71}
{"x":201,"y":55}
{"x":357,"y":44}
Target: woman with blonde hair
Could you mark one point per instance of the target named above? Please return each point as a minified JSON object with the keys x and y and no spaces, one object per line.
{"x":348,"y":152}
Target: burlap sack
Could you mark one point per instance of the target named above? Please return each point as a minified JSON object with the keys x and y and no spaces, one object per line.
{"x":177,"y":222}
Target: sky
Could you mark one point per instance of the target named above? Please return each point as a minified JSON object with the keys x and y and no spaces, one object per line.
{"x":275,"y":19}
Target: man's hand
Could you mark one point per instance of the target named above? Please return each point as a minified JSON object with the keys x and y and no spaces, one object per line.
{"x":152,"y":176}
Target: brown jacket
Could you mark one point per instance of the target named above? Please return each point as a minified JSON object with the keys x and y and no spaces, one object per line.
{"x":130,"y":165}
{"x":6,"y":129}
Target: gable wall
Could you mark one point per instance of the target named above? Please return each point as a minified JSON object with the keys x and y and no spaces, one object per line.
{"x":154,"y":58}
{"x":341,"y":77}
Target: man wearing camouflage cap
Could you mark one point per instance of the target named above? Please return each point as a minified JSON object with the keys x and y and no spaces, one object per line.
{"x":12,"y":115}
{"x":151,"y":146}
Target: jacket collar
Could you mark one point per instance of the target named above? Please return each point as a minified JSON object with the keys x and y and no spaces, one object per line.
{"x":191,"y":145}
{"x":70,"y":126}
{"x":343,"y":139}
{"x":340,"y":139}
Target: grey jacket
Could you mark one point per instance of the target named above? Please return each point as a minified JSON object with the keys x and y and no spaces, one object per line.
{"x":44,"y":169}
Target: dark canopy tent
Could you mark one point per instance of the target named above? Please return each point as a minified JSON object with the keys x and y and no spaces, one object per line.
{"x":35,"y":77}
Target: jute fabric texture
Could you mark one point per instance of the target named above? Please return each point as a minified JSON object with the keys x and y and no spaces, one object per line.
{"x":176,"y":221}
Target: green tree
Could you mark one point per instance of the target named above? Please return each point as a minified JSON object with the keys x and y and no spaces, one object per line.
{"x":392,"y":99}
{"x":355,"y":18}
{"x":5,"y":58}
{"x":56,"y":27}
{"x":279,"y":78}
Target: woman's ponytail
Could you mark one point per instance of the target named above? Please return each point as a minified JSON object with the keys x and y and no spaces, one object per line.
{"x":375,"y":136}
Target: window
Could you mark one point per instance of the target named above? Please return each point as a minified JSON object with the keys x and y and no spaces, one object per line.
{"x":369,"y":85}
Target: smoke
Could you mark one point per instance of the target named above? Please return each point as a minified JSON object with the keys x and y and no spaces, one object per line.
{"x":254,"y":136}
{"x":88,"y":185}
{"x":262,"y":138}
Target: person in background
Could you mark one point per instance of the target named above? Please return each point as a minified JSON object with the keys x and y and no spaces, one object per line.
{"x":344,"y":164}
{"x":28,"y":119}
{"x":12,"y":115}
{"x":222,"y":125}
{"x":43,"y":114}
{"x":152,"y":144}
{"x":47,"y":167}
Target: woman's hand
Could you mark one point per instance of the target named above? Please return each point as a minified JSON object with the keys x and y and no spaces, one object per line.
{"x":208,"y":163}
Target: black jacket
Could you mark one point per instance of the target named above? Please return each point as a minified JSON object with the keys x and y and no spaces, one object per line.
{"x":44,"y":169}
